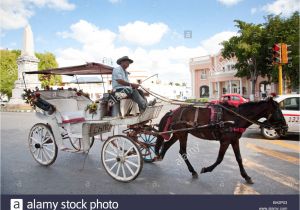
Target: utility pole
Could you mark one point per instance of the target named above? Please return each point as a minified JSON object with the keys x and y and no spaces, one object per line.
{"x":280,"y":79}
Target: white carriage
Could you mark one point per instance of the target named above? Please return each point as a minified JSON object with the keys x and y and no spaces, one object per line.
{"x":66,"y":125}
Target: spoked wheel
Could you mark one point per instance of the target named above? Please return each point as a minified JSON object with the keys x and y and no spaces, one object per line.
{"x":121,"y":158}
{"x":77,"y":142}
{"x":42,"y":144}
{"x":147,"y":149}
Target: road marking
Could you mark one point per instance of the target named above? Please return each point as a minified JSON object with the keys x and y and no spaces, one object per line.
{"x":242,"y":189}
{"x":286,"y":145}
{"x":272,"y":174}
{"x":275,"y":154}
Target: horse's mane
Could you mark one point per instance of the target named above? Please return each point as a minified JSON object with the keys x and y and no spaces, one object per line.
{"x":251,"y":104}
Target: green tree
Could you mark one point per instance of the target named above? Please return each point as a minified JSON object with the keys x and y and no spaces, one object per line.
{"x":48,"y":61}
{"x":247,"y":47}
{"x":9,"y":70}
{"x":284,"y":30}
{"x":250,"y":47}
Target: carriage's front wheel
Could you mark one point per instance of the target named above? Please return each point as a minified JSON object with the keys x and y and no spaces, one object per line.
{"x":42,"y":144}
{"x":148,"y":147}
{"x":121,"y":158}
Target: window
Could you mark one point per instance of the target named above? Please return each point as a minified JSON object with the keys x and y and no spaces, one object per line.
{"x":203,"y":74}
{"x":139,"y":81}
{"x":290,"y":104}
{"x":204,"y":91}
{"x":226,"y":98}
{"x":234,"y":88}
{"x":235,"y":98}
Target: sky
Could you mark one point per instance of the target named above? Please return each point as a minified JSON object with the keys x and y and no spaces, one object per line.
{"x":159,"y":35}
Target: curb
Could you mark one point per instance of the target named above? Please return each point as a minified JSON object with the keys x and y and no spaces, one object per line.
{"x":16,"y":110}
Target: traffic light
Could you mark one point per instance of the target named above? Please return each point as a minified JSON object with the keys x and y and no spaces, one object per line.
{"x":277,"y":53}
{"x":285,"y":53}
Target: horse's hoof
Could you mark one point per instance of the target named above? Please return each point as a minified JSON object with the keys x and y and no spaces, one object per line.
{"x":202,"y":170}
{"x":157,"y":158}
{"x":195,"y":175}
{"x":249,"y":181}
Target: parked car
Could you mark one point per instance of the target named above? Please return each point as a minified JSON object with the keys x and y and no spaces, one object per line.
{"x":232,"y":99}
{"x":290,"y":107}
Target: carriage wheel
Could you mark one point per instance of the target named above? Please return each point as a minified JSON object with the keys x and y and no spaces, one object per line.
{"x":148,"y":151}
{"x":77,"y":142}
{"x":121,"y":158}
{"x":42,"y":144}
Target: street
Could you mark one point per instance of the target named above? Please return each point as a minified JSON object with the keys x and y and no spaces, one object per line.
{"x":273,"y":166}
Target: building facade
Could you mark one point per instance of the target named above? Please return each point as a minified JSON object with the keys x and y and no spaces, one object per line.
{"x":213,"y":76}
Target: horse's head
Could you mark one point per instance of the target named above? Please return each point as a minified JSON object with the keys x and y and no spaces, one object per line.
{"x":275,"y":117}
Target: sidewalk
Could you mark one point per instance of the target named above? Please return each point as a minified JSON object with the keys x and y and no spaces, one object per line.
{"x":16,"y":108}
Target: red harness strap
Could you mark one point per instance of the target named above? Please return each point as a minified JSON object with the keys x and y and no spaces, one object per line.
{"x":239,"y":130}
{"x":167,"y":136}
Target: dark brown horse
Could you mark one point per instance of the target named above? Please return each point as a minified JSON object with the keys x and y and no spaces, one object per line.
{"x":227,"y":133}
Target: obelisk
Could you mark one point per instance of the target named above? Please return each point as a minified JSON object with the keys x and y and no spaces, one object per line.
{"x":26,"y":62}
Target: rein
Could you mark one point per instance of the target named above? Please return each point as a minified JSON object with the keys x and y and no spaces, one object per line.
{"x":243,"y":117}
{"x":178,"y":102}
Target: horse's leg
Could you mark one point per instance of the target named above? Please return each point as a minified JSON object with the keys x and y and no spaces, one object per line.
{"x":236,"y":149}
{"x":167,"y":145}
{"x":182,"y":151}
{"x":158,"y":144}
{"x":223,"y":148}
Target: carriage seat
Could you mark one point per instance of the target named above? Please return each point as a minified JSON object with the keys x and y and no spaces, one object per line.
{"x":72,"y":117}
{"x":125,"y":106}
{"x":69,"y":110}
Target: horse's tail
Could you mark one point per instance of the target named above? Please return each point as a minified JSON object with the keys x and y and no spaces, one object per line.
{"x":160,"y":138}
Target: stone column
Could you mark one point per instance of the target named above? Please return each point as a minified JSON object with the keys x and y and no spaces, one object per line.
{"x":26,"y":62}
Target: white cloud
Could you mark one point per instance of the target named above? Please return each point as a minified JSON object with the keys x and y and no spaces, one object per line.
{"x":213,"y":44}
{"x":229,"y":2}
{"x":15,"y":14}
{"x":171,"y":63}
{"x":286,"y":7}
{"x":95,"y":42}
{"x":143,"y":33}
{"x":55,"y":4}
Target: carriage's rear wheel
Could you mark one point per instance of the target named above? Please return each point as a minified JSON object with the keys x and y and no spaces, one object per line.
{"x":42,"y":144}
{"x":121,"y":158}
{"x":147,"y":149}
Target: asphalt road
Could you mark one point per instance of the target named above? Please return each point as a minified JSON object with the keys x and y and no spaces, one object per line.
{"x":273,"y":166}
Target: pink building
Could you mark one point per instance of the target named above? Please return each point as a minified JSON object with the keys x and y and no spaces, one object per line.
{"x":213,"y":76}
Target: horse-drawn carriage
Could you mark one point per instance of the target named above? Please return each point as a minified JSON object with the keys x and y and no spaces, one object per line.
{"x":70,"y":121}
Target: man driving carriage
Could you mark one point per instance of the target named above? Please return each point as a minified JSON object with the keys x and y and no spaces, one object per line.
{"x":120,"y":83}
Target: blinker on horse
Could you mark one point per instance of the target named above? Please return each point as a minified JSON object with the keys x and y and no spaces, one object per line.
{"x":214,"y":116}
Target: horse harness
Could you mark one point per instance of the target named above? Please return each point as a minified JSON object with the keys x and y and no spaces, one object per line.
{"x":216,"y":123}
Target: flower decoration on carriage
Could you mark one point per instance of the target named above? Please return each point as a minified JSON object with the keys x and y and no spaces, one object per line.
{"x":34,"y":100}
{"x":81,"y":93}
{"x":92,"y":108}
{"x":30,"y":97}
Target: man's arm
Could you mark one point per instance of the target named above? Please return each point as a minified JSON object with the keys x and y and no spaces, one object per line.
{"x":122,"y":82}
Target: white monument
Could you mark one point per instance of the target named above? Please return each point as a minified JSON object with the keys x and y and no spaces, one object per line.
{"x":26,"y":62}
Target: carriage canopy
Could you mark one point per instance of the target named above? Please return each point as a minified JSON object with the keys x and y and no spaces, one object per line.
{"x":86,"y":69}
